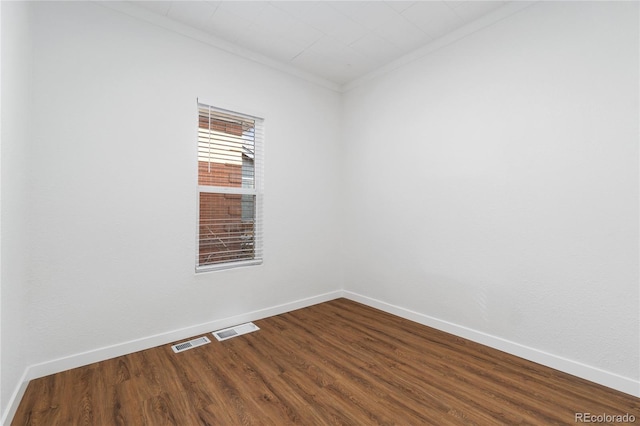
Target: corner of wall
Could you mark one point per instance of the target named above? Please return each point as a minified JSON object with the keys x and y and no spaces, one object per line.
{"x":605,"y":378}
{"x":15,"y":87}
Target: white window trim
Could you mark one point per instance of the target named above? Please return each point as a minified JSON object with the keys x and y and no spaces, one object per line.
{"x":257,"y":191}
{"x":227,"y":190}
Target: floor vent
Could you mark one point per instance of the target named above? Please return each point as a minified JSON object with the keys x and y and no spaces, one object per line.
{"x":237,"y":330}
{"x":185,"y":346}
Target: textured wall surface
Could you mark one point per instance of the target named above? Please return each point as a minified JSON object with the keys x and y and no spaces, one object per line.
{"x":14,"y":139}
{"x":113,"y":202}
{"x":493,"y":184}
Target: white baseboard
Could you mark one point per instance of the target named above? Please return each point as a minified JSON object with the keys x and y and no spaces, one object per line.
{"x":587,"y":372}
{"x":101,"y":354}
{"x":15,"y":399}
{"x":108,"y":352}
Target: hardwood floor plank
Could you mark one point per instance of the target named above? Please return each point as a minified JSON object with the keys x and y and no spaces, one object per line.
{"x":354,"y":363}
{"x":506,"y":370}
{"x":336,"y":363}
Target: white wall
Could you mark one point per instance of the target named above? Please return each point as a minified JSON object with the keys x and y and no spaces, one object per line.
{"x":493,"y":184}
{"x":14,"y":137}
{"x":113,"y":174}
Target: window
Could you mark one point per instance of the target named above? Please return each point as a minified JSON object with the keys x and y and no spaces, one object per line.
{"x":229,"y":189}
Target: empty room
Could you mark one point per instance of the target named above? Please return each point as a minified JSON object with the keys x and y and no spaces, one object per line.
{"x":319,"y":212}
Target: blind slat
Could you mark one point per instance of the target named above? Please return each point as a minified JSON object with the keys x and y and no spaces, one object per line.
{"x":229,"y":150}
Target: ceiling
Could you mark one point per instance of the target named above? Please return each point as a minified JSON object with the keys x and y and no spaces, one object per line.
{"x":338,"y":41}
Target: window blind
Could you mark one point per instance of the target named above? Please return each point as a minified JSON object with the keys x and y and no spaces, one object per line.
{"x":229,"y":188}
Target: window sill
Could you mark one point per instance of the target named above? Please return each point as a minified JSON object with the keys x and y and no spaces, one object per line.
{"x":228,"y":265}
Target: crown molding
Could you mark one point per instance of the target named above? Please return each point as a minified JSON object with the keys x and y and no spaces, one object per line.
{"x":486,"y":21}
{"x":145,"y":15}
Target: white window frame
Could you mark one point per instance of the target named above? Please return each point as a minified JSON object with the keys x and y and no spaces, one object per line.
{"x":256,"y":191}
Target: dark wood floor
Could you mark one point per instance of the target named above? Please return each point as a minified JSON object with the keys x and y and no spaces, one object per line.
{"x":334,"y":363}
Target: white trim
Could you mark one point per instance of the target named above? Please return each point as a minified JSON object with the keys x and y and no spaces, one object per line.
{"x":108,"y":352}
{"x":227,"y":265}
{"x":587,"y":372}
{"x":255,"y":191}
{"x":14,"y":400}
{"x":485,"y":21}
{"x":226,"y":190}
{"x":199,"y":35}
{"x":196,"y":34}
{"x":84,"y":358}
{"x":605,"y":378}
